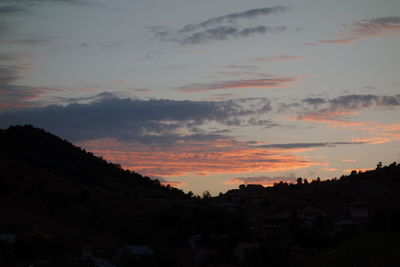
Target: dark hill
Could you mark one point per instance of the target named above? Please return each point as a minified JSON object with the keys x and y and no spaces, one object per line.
{"x":59,"y":200}
{"x":38,"y":149}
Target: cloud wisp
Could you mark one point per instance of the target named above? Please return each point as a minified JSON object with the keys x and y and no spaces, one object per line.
{"x":220,"y":28}
{"x":226,"y":33}
{"x":376,"y":27}
{"x":13,"y":9}
{"x":282,"y":57}
{"x":13,"y":96}
{"x":265,"y":83}
{"x":310,"y":145}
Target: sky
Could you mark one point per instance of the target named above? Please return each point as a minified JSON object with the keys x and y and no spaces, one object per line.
{"x":208,"y":95}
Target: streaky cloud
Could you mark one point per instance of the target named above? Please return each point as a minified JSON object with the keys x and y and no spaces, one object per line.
{"x":281,"y":57}
{"x":255,"y":83}
{"x":375,"y":27}
{"x":14,"y":96}
{"x":310,"y":145}
{"x":11,"y":10}
{"x":233,"y":17}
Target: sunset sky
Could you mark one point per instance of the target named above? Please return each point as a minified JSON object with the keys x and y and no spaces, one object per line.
{"x":208,"y":95}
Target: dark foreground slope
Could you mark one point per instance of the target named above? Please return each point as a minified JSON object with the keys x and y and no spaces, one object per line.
{"x":60,"y":201}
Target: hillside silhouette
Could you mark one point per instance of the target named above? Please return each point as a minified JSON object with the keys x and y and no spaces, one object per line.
{"x":63,"y":206}
{"x":58,"y":200}
{"x":348,"y":221}
{"x":39,"y":149}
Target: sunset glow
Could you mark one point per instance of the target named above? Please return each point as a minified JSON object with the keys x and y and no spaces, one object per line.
{"x":198,"y":158}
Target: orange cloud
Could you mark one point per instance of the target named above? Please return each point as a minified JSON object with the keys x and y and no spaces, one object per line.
{"x":257,"y":83}
{"x":330,"y":169}
{"x":373,"y":140}
{"x":274,"y":58}
{"x":199,"y":158}
{"x":380,"y":133}
{"x":390,"y":131}
{"x":348,"y":160}
{"x":340,"y":41}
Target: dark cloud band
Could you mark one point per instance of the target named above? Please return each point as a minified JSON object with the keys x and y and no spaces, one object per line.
{"x":146,"y":120}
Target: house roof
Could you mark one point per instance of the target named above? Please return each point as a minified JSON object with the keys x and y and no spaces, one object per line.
{"x":9,"y":238}
{"x":284,"y":215}
{"x":139,"y":250}
{"x":99,"y":262}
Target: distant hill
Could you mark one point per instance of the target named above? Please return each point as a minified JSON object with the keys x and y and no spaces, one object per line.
{"x":378,"y":188}
{"x":348,"y":221}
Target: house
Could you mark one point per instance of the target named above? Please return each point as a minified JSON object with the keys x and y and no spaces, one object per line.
{"x":139,"y":250}
{"x":251,"y":193}
{"x":344,"y":225}
{"x":358,"y":210}
{"x":194,"y":241}
{"x":234,"y":195}
{"x":308,"y":215}
{"x":100,"y":262}
{"x":229,"y":206}
{"x":255,"y":193}
{"x":274,"y":222}
{"x":242,"y":248}
{"x":135,"y":255}
{"x":8,"y":238}
{"x":7,"y":248}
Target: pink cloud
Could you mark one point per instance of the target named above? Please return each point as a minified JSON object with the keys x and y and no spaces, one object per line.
{"x":383,"y":26}
{"x":384,"y":133}
{"x":255,"y":83}
{"x":275,"y":58}
{"x":348,"y":160}
{"x":337,"y":111}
